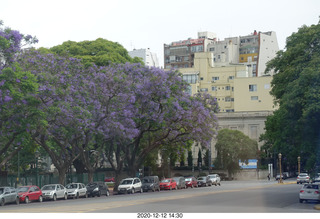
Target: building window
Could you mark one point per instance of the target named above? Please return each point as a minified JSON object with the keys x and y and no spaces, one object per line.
{"x":253,"y":132}
{"x":252,"y":87}
{"x":211,"y":49}
{"x":214,"y":88}
{"x":215,"y":79}
{"x":227,"y":87}
{"x":231,"y":77}
{"x":201,"y":78}
{"x":204,"y":89}
{"x":190,"y":79}
{"x":230,"y":111}
{"x":254,"y":98}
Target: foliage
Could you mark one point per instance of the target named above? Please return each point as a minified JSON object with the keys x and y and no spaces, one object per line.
{"x":232,"y":146}
{"x":294,"y":128}
{"x":101,"y":52}
{"x":18,"y":104}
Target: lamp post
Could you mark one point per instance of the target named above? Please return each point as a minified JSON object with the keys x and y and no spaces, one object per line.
{"x":299,"y":165}
{"x":18,"y":179}
{"x":37,"y":180}
{"x":280,"y":155}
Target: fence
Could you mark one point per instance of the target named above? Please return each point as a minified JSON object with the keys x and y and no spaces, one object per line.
{"x":44,"y":179}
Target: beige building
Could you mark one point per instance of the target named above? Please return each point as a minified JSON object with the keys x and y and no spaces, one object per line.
{"x":244,"y":101}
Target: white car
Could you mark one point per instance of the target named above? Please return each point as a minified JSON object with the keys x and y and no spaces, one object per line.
{"x":76,"y":190}
{"x":8,"y":195}
{"x":54,"y":191}
{"x":317,"y":177}
{"x":215,"y":178}
{"x":309,"y":192}
{"x":130,"y":185}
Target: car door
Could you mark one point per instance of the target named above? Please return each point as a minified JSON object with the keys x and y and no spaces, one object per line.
{"x":59,"y":191}
{"x":32,"y":193}
{"x":6,"y":195}
{"x":13,"y":194}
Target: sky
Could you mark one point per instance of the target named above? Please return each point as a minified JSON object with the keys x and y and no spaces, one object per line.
{"x":141,"y":24}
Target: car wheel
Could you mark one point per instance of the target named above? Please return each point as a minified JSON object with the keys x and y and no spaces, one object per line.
{"x":170,"y":188}
{"x":77,"y":196}
{"x":99,"y":193}
{"x":132,"y":191}
{"x":40,"y":198}
{"x":26,"y":200}
{"x":54,"y":197}
{"x":141,"y":190}
{"x":300,"y":200}
{"x":219,"y":184}
{"x":176,"y":188}
{"x":86,"y":195}
{"x":108,"y":193}
{"x":17,"y":201}
{"x":191,"y":186}
{"x":185,"y":186}
{"x":2,"y":202}
{"x":65,"y":196}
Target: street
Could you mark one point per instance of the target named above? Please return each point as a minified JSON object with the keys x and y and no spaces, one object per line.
{"x":230,"y":197}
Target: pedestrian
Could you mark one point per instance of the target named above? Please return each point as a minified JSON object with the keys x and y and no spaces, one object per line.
{"x":269,"y":177}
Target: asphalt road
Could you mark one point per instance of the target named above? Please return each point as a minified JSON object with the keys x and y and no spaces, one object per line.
{"x":230,"y":197}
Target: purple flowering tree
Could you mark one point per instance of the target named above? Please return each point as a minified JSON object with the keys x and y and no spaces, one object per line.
{"x":18,"y":104}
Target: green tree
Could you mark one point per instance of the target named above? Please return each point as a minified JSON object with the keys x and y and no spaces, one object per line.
{"x":190,"y":158}
{"x":232,"y":146}
{"x":101,"y":52}
{"x":294,"y":128}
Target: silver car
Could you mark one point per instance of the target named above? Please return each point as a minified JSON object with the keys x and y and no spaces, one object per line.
{"x":130,"y":185}
{"x":76,"y":190}
{"x":303,"y":178}
{"x":215,"y":178}
{"x":8,"y":195}
{"x":317,"y":178}
{"x":309,"y":192}
{"x":54,"y":191}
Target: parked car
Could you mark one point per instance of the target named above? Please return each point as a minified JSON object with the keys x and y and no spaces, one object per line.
{"x":150,"y":183}
{"x":8,"y":195}
{"x":130,"y":185}
{"x":97,"y":189}
{"x":76,"y":190}
{"x":191,"y":182}
{"x":29,"y":193}
{"x":168,"y":183}
{"x":316,"y":177}
{"x":286,"y":175}
{"x":204,"y":181}
{"x":309,"y":192}
{"x":303,"y":178}
{"x":54,"y":192}
{"x":181,"y":183}
{"x":109,"y":179}
{"x":215,"y":178}
{"x":278,"y":177}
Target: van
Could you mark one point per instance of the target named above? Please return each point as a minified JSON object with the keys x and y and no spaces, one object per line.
{"x":150,"y":183}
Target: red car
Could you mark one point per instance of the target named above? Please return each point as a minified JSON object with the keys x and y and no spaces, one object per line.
{"x":29,"y":193}
{"x":191,"y":182}
{"x":109,"y":179}
{"x":168,"y":183}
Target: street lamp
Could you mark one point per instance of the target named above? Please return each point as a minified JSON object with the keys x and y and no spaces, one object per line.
{"x":280,"y":155}
{"x":299,"y":165}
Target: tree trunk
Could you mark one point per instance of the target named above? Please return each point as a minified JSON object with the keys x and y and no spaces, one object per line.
{"x":62,"y":175}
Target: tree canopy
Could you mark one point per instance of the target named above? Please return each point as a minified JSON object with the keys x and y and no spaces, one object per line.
{"x":232,"y":146}
{"x":294,"y":129}
{"x":101,"y":52}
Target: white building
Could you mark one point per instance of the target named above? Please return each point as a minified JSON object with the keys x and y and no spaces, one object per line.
{"x":149,"y":58}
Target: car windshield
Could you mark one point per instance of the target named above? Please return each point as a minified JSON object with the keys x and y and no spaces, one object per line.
{"x":71,"y":186}
{"x":303,"y":174}
{"x":201,"y":178}
{"x":311,"y":186}
{"x":146,"y":180}
{"x":165,"y":180}
{"x":23,"y":189}
{"x":188,"y":179}
{"x":48,"y":188}
{"x":126,"y":182}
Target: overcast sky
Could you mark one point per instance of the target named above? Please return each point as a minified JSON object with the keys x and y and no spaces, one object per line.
{"x":152,"y":23}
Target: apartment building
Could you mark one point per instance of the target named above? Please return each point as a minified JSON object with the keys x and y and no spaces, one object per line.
{"x":149,"y":58}
{"x":180,"y":54}
{"x":245,"y":102}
